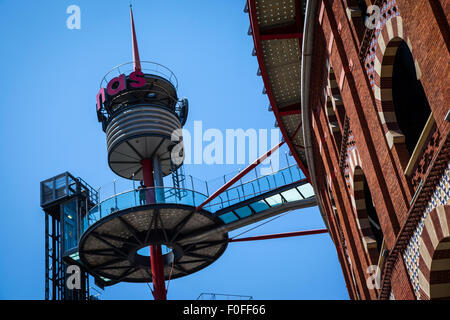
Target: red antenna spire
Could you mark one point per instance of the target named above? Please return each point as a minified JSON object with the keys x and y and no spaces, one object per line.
{"x":136,"y":59}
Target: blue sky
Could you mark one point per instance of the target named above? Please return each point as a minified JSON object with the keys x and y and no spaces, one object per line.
{"x":50,"y":78}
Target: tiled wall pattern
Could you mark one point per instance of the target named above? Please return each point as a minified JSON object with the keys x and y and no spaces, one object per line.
{"x":441,"y":196}
{"x":387,"y":11}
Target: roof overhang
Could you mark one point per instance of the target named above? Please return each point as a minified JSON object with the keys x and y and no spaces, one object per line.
{"x":277,"y":30}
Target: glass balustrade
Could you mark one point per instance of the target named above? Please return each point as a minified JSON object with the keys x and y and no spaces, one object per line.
{"x":239,"y":192}
{"x":139,"y":197}
{"x":258,"y":186}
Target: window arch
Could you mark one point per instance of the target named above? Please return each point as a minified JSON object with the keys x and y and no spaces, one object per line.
{"x":401,"y":101}
{"x":411,"y":106}
{"x":367,"y":217}
{"x":334,"y":108}
{"x":434,"y":252}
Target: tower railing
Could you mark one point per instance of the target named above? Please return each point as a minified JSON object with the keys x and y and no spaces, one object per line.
{"x":148,"y":67}
{"x":139,"y":197}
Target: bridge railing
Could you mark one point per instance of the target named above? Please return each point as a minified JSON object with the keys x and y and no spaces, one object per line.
{"x":244,"y":191}
{"x":170,"y":195}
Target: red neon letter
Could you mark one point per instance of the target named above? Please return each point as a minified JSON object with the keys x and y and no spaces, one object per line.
{"x":101,"y":94}
{"x":120,"y":80}
{"x":137,"y":79}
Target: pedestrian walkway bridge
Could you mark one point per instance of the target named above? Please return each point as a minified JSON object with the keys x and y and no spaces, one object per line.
{"x":238,"y":206}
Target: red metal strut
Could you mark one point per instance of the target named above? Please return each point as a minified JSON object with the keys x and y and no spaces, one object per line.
{"x":280,"y":235}
{"x":156,"y":260}
{"x":239,"y":175}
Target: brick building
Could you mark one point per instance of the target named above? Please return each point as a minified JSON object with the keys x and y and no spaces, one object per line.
{"x":362,"y":101}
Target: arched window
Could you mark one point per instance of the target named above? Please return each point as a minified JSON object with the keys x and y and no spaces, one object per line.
{"x":434,"y":253}
{"x":411,"y":106}
{"x":334,"y":108}
{"x":372,"y":235}
{"x":439,"y":278}
{"x":372,"y":216}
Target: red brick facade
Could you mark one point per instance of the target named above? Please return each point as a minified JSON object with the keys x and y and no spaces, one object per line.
{"x":355,"y":135}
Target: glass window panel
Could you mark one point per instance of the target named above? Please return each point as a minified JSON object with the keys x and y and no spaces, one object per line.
{"x":160,"y":196}
{"x":243,"y":212}
{"x":124,"y":200}
{"x":273,"y":181}
{"x":60,"y":182}
{"x":280,"y":177}
{"x":264,"y":184}
{"x":47,"y":191}
{"x":259,"y":206}
{"x":257,"y":186}
{"x":60,"y":187}
{"x":108,"y":207}
{"x":294,"y":174}
{"x":249,"y":190}
{"x":214,"y":205}
{"x":228,"y":217}
{"x":198,"y":198}
{"x":233,"y":195}
{"x":292,"y":195}
{"x":75,"y":256}
{"x":274,"y":200}
{"x":94,"y":215}
{"x":70,"y":225}
{"x":306,"y":190}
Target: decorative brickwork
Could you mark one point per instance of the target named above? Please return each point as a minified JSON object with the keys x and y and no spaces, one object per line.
{"x":404,"y":187}
{"x":426,"y":156}
{"x":359,"y":204}
{"x":441,"y":196}
{"x":388,"y":11}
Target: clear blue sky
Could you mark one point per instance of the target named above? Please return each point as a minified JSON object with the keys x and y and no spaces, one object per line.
{"x":50,"y":78}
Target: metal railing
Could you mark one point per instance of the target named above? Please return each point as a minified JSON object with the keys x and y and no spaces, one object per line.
{"x":222,"y":296}
{"x":139,"y":197}
{"x":255,"y":187}
{"x":170,"y":195}
{"x":148,"y":67}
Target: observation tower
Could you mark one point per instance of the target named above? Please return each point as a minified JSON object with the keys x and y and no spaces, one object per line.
{"x":142,"y":115}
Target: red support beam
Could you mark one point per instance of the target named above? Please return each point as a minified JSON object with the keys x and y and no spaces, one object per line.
{"x":285,"y":32}
{"x":157,"y":264}
{"x":240,"y":175}
{"x":156,"y":260}
{"x":290,"y":110}
{"x":280,"y":235}
{"x":296,"y":131}
{"x":280,"y":36}
{"x":147,"y":172}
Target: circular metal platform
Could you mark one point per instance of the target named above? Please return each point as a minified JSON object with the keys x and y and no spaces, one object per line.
{"x":109,"y":248}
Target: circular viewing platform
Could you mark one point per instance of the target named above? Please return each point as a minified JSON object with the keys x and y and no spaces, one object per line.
{"x":142,"y":117}
{"x":147,"y":67}
{"x":115,"y":231}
